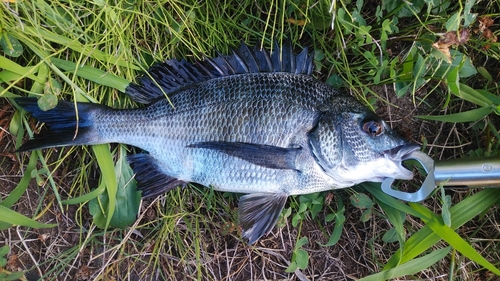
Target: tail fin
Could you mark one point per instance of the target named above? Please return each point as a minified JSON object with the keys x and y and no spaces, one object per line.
{"x":64,"y":128}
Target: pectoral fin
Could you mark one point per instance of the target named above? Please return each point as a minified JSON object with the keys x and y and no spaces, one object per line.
{"x":259,"y":212}
{"x":150,"y":179}
{"x":259,"y":154}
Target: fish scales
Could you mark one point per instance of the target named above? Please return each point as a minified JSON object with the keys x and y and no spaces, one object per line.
{"x":249,"y":123}
{"x":270,"y":113}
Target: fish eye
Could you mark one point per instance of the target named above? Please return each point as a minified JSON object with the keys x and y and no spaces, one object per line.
{"x":373,"y":128}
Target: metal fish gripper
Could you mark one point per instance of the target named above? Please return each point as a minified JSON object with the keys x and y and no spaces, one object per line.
{"x":468,"y":172}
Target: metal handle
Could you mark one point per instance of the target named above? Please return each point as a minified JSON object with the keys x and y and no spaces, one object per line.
{"x":470,"y":172}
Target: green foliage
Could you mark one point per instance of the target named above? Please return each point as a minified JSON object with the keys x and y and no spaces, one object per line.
{"x":364,"y":203}
{"x":339,"y":218}
{"x":411,"y":267}
{"x":127,"y":198}
{"x":436,"y":229}
{"x":4,"y":274}
{"x":79,"y":51}
{"x":300,"y":258}
{"x":10,"y":45}
{"x":309,"y":205}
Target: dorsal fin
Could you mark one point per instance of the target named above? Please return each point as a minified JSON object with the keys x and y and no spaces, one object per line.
{"x":173,"y":75}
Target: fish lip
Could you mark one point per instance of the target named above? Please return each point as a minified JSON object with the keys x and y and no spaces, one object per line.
{"x":402,"y":152}
{"x":397,"y":155}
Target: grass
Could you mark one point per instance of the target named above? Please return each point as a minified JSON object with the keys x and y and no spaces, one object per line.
{"x":382,"y":54}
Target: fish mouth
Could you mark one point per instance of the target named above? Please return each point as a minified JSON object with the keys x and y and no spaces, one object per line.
{"x":397,"y":155}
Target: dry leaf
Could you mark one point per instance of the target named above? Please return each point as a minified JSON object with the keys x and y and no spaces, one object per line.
{"x":296,"y":22}
{"x":485,"y":23}
{"x":449,"y":39}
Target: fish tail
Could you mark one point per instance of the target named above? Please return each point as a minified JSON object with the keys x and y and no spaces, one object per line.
{"x":66,"y":126}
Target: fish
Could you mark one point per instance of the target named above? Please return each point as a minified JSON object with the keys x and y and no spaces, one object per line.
{"x":252,"y":122}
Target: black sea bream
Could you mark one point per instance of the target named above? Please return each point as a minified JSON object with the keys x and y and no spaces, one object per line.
{"x":249,"y":122}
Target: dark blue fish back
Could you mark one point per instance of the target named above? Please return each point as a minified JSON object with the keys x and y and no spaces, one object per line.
{"x":173,"y":75}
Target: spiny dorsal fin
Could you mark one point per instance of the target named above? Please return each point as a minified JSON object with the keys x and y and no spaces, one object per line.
{"x":173,"y":75}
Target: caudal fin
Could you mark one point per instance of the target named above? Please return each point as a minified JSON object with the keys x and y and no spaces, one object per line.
{"x":65,"y":129}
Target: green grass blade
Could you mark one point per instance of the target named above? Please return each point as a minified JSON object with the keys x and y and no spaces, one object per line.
{"x":12,"y":217}
{"x":376,"y":191}
{"x":461,"y":213}
{"x":466,"y":116}
{"x":86,"y":197}
{"x":6,"y":94}
{"x":74,"y":45}
{"x":410,"y":267}
{"x":435,"y":222}
{"x":106,"y":165}
{"x":469,"y":94}
{"x":93,"y":74}
{"x":23,"y":183}
{"x":18,"y":69}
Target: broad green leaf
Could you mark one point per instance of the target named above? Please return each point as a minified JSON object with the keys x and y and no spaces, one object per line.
{"x":468,"y":16}
{"x":296,"y":219}
{"x":127,"y":198}
{"x":445,"y":207}
{"x":453,"y":23}
{"x":409,"y":268}
{"x":459,"y":62}
{"x":490,"y":96}
{"x":93,"y":74}
{"x":8,"y":76}
{"x":366,"y":215}
{"x":47,"y":101}
{"x":292,"y":267}
{"x":10,"y":45}
{"x":339,"y":225}
{"x":397,"y":218}
{"x":361,"y":201}
{"x":484,"y":72}
{"x":335,"y":81}
{"x":301,"y":242}
{"x":301,"y":258}
{"x":475,"y":96}
{"x":3,"y":252}
{"x":453,"y":82}
{"x":466,"y":69}
{"x":106,"y":165}
{"x":466,"y":116}
{"x":98,"y":207}
{"x":401,"y":88}
{"x":390,"y":236}
{"x":12,"y":217}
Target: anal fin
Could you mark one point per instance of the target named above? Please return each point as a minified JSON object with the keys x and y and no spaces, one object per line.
{"x":150,"y":179}
{"x":259,"y":212}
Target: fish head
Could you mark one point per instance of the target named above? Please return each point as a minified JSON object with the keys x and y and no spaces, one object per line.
{"x":354,"y":147}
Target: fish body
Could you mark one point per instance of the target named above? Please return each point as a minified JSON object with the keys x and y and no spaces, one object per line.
{"x":249,"y":122}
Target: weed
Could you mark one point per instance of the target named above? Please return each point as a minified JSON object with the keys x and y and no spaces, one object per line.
{"x":440,"y":57}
